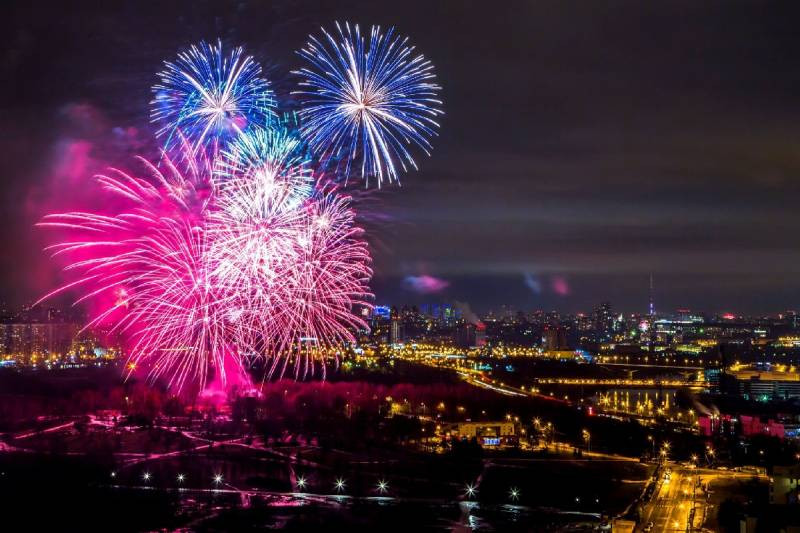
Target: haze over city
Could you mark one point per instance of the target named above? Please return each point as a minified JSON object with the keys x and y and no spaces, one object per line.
{"x":371,"y":266}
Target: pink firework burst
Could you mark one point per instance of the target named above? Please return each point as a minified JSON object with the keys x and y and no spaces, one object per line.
{"x":329,"y":277}
{"x":291,"y":261}
{"x":201,"y":270}
{"x":145,"y":269}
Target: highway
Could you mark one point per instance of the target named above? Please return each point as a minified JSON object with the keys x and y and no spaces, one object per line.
{"x":679,"y":503}
{"x":672,"y":503}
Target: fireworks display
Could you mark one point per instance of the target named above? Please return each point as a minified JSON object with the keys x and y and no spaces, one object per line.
{"x":365,"y":104}
{"x":233,"y":247}
{"x":146,"y":267}
{"x":209,"y":96}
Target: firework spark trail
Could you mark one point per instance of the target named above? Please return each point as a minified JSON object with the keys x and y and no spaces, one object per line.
{"x":147,"y":267}
{"x":294,"y":260}
{"x":234,"y":246}
{"x":366,"y":103}
{"x":328,"y":280}
{"x":201,"y":270}
{"x":210,"y":97}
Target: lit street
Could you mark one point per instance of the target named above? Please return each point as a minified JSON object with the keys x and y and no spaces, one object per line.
{"x":679,"y":502}
{"x":400,"y":267}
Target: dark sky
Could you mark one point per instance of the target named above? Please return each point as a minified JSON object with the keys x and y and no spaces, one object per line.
{"x":585,"y":145}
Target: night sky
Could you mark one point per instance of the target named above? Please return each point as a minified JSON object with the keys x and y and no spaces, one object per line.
{"x":585,"y":145}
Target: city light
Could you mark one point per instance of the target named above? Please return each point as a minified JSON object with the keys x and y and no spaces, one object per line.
{"x":494,"y":328}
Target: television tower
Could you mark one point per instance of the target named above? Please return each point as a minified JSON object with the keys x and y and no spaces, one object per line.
{"x":652,"y":305}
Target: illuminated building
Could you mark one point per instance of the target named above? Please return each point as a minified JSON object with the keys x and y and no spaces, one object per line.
{"x":480,"y":335}
{"x":603,"y":322}
{"x":470,"y":335}
{"x":381,"y":312}
{"x":487,"y":433}
{"x":18,"y":339}
{"x":554,"y":338}
{"x":396,"y":335}
{"x":761,"y":385}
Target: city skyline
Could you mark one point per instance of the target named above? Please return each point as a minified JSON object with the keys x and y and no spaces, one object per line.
{"x":371,"y":266}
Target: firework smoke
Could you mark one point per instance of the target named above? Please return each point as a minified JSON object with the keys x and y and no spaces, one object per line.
{"x":235,"y":246}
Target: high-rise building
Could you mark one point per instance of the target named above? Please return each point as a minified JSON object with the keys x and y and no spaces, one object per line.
{"x":25,"y":339}
{"x":603,"y":322}
{"x":554,"y":338}
{"x":396,"y":329}
{"x":468,"y":335}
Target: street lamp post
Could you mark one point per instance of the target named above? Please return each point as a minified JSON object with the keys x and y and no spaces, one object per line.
{"x":664,"y":451}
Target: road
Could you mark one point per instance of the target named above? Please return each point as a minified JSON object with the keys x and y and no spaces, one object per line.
{"x":679,"y":503}
{"x":672,"y":502}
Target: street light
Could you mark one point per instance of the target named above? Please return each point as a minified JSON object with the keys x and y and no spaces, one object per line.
{"x":514,"y":493}
{"x":301,"y":482}
{"x":588,"y":438}
{"x":181,"y":477}
{"x":383,"y":486}
{"x":471,"y":490}
{"x":340,"y":484}
{"x":146,"y":477}
{"x":217,"y":479}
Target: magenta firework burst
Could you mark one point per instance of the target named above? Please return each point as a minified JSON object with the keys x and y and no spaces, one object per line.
{"x":197,"y":276}
{"x":145,"y":269}
{"x":233,"y":247}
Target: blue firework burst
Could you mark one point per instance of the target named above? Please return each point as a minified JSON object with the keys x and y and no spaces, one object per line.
{"x":367,"y":102}
{"x":210,"y":96}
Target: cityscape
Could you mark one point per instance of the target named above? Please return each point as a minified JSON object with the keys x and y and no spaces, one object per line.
{"x":362,"y":266}
{"x":696,"y":411}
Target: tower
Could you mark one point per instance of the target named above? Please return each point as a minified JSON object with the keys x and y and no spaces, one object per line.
{"x":603,"y":322}
{"x":652,"y":305}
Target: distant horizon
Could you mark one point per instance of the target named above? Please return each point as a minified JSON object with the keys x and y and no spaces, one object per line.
{"x":483,"y":294}
{"x":420,"y":301}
